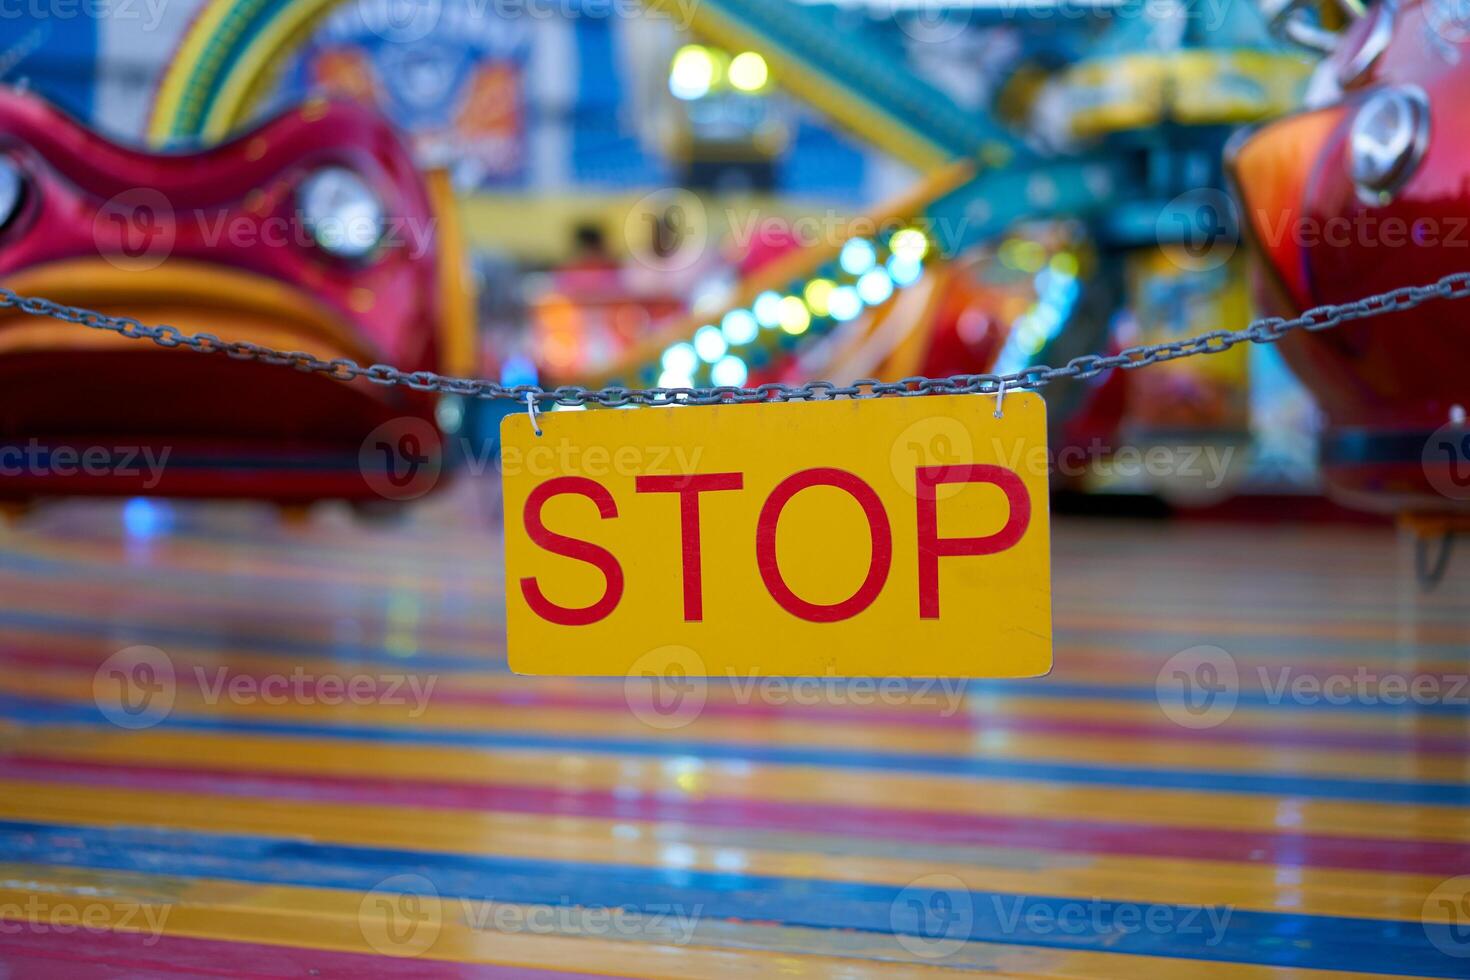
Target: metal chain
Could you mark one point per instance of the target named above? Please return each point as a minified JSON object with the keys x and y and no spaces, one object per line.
{"x":1263,"y":331}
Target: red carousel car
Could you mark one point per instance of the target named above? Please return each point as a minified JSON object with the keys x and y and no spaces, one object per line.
{"x":314,"y":232}
{"x":1366,"y":191}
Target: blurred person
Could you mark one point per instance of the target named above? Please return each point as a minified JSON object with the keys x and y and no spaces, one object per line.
{"x":591,"y":272}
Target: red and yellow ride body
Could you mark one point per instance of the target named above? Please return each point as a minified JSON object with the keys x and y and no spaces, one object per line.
{"x":1385,"y":384}
{"x":210,"y":241}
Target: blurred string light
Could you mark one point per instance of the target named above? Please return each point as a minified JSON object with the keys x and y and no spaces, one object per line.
{"x":729,"y":370}
{"x":844,"y":304}
{"x":1057,"y":291}
{"x":710,"y":344}
{"x":679,"y":363}
{"x":693,"y":72}
{"x":910,"y":243}
{"x":866,"y":275}
{"x":749,"y":72}
{"x":857,"y":257}
{"x":818,"y":294}
{"x":767,"y":309}
{"x":904,"y":270}
{"x":795,"y":317}
{"x":739,"y":327}
{"x":875,"y":287}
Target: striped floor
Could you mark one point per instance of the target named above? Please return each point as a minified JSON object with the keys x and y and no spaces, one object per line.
{"x":322,"y":768}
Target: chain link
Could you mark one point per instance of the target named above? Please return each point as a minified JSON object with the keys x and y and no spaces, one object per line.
{"x":1263,"y":331}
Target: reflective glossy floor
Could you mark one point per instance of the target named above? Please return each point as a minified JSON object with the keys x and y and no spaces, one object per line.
{"x":231,"y":746}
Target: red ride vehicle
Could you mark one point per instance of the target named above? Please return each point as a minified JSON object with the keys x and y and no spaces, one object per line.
{"x":314,"y":232}
{"x":1366,"y":191}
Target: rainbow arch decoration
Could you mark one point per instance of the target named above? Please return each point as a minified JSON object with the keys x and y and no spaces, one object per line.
{"x":228,"y":56}
{"x":225,"y":63}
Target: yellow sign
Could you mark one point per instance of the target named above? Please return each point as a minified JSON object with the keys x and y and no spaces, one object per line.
{"x":886,"y":537}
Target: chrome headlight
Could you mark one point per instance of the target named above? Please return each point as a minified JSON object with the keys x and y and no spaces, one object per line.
{"x":1298,"y":22}
{"x":12,"y":188}
{"x":1388,"y":138}
{"x":342,"y":213}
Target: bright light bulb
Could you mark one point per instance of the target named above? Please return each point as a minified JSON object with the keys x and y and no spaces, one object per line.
{"x":739,"y":327}
{"x":904,"y":270}
{"x":844,"y":304}
{"x":675,"y":379}
{"x":680,"y":359}
{"x":692,"y":73}
{"x":749,"y":72}
{"x":818,"y":294}
{"x":858,"y":256}
{"x":910,"y":243}
{"x":767,"y":309}
{"x":729,"y":370}
{"x":795,"y":317}
{"x":875,"y":287}
{"x":710,"y":344}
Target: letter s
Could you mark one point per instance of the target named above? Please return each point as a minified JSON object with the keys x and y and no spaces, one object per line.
{"x":584,"y":551}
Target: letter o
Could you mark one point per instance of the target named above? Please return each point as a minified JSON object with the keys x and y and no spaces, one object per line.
{"x":879,"y":532}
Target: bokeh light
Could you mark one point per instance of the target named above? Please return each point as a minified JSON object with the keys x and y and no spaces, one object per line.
{"x":845,"y":304}
{"x":818,"y":294}
{"x":858,"y":256}
{"x":692,"y":73}
{"x":749,"y":72}
{"x":710,"y":344}
{"x":795,"y":317}
{"x":905,"y":270}
{"x":767,"y":309}
{"x":680,"y":359}
{"x":911,"y":243}
{"x":739,"y":327}
{"x":875,"y":287}
{"x":729,"y":370}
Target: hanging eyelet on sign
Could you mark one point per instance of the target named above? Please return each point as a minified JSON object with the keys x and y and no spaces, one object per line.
{"x":531,"y":408}
{"x":1000,"y":397}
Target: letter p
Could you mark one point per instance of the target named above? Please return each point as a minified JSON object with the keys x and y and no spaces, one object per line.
{"x":932,"y":547}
